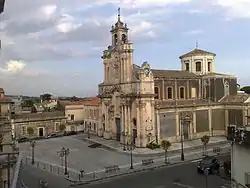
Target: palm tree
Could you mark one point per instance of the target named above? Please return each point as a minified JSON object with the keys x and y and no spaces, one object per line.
{"x":165,"y":144}
{"x":205,"y":139}
{"x":30,"y":131}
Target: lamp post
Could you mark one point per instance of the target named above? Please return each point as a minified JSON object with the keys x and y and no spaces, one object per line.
{"x":88,"y":131}
{"x":64,"y":153}
{"x":206,"y":176}
{"x":184,"y":118}
{"x":33,"y":144}
{"x":131,"y":147}
{"x":124,"y":141}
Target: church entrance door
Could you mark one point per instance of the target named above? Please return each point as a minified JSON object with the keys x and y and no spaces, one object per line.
{"x":134,"y":135}
{"x":118,"y":128}
{"x":186,"y":130}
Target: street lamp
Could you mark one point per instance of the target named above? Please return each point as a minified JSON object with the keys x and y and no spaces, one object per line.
{"x":124,"y":141}
{"x":131,"y":147}
{"x":64,"y":153}
{"x":184,"y":118}
{"x":88,"y":131}
{"x":206,"y":172}
{"x":33,"y":144}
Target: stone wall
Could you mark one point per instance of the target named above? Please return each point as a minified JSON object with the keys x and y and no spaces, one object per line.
{"x":218,"y":119}
{"x":202,"y":123}
{"x":167,"y":125}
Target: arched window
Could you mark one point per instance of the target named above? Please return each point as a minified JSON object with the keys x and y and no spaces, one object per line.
{"x":198,"y":66}
{"x":182,"y":93}
{"x":115,"y":38}
{"x":124,"y":38}
{"x":209,"y":66}
{"x":157,"y":93}
{"x":170,"y":92}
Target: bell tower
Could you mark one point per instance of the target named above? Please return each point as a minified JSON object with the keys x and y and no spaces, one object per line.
{"x":119,"y":31}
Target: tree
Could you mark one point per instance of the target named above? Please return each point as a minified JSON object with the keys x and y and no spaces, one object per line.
{"x":205,"y":139}
{"x":30,"y":131}
{"x":62,"y":127}
{"x":165,"y":144}
{"x":246,"y":89}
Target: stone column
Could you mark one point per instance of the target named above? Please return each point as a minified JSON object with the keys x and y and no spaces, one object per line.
{"x":129,"y":121}
{"x":177,"y":122}
{"x":138,"y":124}
{"x":210,"y":119}
{"x":188,"y":90}
{"x":175,"y":90}
{"x":194,"y":123}
{"x":158,"y":127}
{"x":126,"y":120}
{"x":163,"y":90}
{"x":122,"y":124}
{"x":226,"y":119}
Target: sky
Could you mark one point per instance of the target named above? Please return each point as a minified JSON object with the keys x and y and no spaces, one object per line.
{"x":55,"y":46}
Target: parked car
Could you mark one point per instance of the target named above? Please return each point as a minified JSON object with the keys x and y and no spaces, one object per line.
{"x":209,"y":163}
{"x":51,"y":135}
{"x":70,"y":133}
{"x":22,"y":139}
{"x":227,"y":168}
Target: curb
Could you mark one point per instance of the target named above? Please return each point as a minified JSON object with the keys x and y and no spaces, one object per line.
{"x":153,"y":154}
{"x":139,"y":170}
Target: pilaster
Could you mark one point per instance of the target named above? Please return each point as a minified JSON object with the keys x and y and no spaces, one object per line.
{"x":226,"y":118}
{"x":177,"y":122}
{"x":210,"y":119}
{"x":157,"y":123}
{"x":163,"y":90}
{"x":194,"y":122}
{"x":138,"y":126}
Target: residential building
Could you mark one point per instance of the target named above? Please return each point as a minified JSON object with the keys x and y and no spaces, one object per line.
{"x":6,"y":143}
{"x":81,"y":114}
{"x":240,"y":156}
{"x":16,"y":105}
{"x":144,"y":105}
{"x":37,"y":124}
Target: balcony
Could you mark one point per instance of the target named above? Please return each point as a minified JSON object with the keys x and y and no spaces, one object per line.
{"x":239,"y":135}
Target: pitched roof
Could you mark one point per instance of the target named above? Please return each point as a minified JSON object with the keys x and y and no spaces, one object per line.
{"x":90,"y":101}
{"x":237,"y":98}
{"x":36,"y":116}
{"x":172,"y":74}
{"x":196,"y":52}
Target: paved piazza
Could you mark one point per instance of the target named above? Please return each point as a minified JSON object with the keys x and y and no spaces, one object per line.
{"x":80,"y":157}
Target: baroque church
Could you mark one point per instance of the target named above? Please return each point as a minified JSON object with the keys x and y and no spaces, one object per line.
{"x":140,"y":105}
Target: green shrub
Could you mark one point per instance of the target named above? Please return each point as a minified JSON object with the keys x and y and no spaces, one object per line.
{"x":153,"y":145}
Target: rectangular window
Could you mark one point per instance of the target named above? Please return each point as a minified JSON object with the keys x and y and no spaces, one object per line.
{"x":187,"y":66}
{"x":182,"y":93}
{"x":198,"y":66}
{"x":193,"y":93}
{"x":72,"y":117}
{"x":209,"y":66}
{"x":157,"y":93}
{"x":170,"y":92}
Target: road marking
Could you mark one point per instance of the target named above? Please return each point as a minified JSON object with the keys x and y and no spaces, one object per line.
{"x":183,"y":185}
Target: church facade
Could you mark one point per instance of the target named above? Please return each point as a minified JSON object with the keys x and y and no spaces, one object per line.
{"x":140,"y":105}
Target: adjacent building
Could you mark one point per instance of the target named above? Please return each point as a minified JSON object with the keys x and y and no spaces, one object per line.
{"x":38,"y":124}
{"x":140,"y":104}
{"x":81,"y":114}
{"x":16,"y":105}
{"x":240,"y":156}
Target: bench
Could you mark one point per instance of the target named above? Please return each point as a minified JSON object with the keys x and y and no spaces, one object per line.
{"x":112,"y":168}
{"x":146,"y":162}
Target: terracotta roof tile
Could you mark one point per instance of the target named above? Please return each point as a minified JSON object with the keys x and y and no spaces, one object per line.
{"x":172,"y":74}
{"x":195,"y":52}
{"x":91,"y":101}
{"x":42,"y":115}
{"x":5,"y":100}
{"x":238,"y":98}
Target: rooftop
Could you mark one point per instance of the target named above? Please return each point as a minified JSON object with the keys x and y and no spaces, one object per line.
{"x":91,"y":101}
{"x":196,"y":52}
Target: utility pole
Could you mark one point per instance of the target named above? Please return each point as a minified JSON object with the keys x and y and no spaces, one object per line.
{"x":33,"y":144}
{"x":64,"y":152}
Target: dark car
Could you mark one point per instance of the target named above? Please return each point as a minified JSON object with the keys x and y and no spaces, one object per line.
{"x":51,"y":135}
{"x":209,"y":163}
{"x":22,"y":139}
{"x":227,"y":168}
{"x":70,"y":133}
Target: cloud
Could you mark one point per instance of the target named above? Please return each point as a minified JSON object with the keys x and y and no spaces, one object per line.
{"x":235,"y":8}
{"x":13,"y":67}
{"x":193,"y":32}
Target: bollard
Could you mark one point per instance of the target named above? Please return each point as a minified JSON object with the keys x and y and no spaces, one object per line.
{"x":94,"y":175}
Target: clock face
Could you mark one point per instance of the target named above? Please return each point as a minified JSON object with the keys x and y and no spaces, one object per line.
{"x":146,"y":71}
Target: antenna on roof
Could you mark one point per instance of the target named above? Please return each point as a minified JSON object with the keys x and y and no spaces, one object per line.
{"x":196,"y":45}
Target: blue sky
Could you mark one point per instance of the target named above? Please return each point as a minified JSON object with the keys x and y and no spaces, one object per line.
{"x":55,"y":45}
